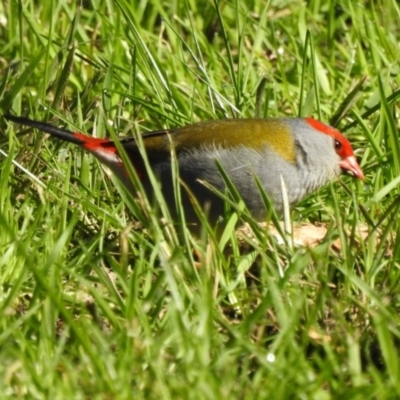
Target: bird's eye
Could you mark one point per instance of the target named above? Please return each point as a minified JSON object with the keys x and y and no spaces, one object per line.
{"x":338,"y":145}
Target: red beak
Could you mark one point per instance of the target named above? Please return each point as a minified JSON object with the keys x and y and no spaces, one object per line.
{"x":351,"y":164}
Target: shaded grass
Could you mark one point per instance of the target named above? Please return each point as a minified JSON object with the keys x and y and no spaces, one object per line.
{"x":95,"y":306}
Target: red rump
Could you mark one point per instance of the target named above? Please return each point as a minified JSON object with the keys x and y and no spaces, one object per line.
{"x":345,"y":148}
{"x":102,"y":147}
{"x":95,"y":144}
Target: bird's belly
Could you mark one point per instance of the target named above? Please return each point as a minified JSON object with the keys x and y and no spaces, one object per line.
{"x":243,"y":169}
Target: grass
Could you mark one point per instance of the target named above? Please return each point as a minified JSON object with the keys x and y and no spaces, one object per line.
{"x":96,"y":305}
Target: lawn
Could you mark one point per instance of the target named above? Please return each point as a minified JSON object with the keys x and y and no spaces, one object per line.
{"x":102,"y":299}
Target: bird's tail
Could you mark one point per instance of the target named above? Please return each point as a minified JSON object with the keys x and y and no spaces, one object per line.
{"x":60,"y":133}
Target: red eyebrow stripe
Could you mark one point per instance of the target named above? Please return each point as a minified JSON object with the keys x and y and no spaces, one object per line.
{"x":346,"y":150}
{"x":320,"y":126}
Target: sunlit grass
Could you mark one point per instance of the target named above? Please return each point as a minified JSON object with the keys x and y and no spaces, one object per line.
{"x":101,"y":298}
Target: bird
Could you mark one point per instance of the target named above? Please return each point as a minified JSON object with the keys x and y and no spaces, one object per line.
{"x":303,"y":153}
